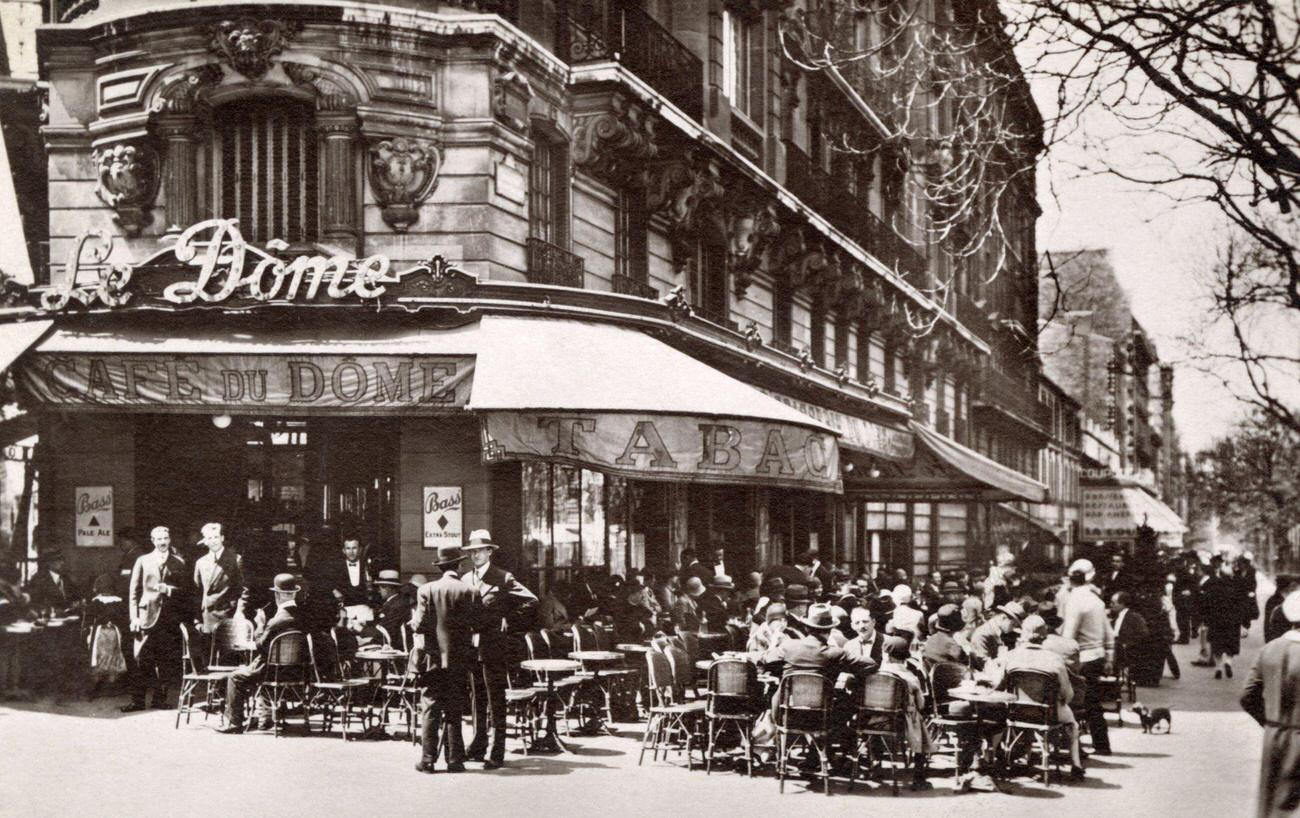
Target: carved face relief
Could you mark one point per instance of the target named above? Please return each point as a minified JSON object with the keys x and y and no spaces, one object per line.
{"x":128,"y":181}
{"x":248,"y":45}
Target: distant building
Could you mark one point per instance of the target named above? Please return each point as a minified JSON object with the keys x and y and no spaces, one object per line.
{"x":1093,"y":347}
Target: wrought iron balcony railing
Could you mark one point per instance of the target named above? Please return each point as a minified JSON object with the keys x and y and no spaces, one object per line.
{"x":628,"y":35}
{"x":549,"y":264}
{"x":1001,"y":391}
{"x":626,"y":285}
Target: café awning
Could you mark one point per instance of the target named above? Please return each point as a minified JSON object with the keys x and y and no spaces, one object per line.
{"x":998,"y":479}
{"x":15,"y":339}
{"x":618,"y":400}
{"x":1116,"y":512}
{"x":940,"y":470}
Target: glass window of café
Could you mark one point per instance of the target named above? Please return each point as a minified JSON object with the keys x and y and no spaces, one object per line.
{"x":582,"y":522}
{"x":917,"y":537}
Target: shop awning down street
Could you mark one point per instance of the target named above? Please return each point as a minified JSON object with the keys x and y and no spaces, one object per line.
{"x":942,"y":470}
{"x":1116,"y":512}
{"x":15,"y":339}
{"x":618,"y":400}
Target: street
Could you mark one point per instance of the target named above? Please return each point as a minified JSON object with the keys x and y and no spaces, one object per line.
{"x":86,"y":758}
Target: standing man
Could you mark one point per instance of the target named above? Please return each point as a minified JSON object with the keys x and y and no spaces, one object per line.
{"x":157,"y":597}
{"x":442,"y":622}
{"x":219,"y":579}
{"x":508,"y":607}
{"x":1086,"y":623}
{"x":394,"y":607}
{"x":241,"y":682}
{"x":351,"y":580}
{"x":1269,"y":699}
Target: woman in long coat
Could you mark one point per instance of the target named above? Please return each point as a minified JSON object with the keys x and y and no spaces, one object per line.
{"x":1221,"y":607}
{"x":1268,"y":698}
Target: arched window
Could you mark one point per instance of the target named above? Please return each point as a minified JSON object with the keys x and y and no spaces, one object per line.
{"x":265,"y":169}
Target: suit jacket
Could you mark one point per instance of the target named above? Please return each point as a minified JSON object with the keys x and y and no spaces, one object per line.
{"x":808,"y":653}
{"x":1268,"y":698}
{"x":393,"y":614}
{"x":446,"y":613}
{"x":874,"y":651}
{"x":789,"y":574}
{"x":338,"y":579}
{"x":282,"y":621}
{"x":941,"y":647}
{"x":1131,"y":637}
{"x":220,"y":584}
{"x":45,"y":591}
{"x":148,"y":608}
{"x":1034,"y":657}
{"x":508,"y":608}
{"x":713,"y":612}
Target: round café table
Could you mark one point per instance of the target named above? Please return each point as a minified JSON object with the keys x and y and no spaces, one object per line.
{"x":639,"y":650}
{"x":987,"y":703}
{"x":550,"y":669}
{"x":594,"y":661}
{"x":384,"y":660}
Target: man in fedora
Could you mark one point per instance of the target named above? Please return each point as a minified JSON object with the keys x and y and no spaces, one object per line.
{"x":286,"y":618}
{"x":715,"y":604}
{"x":394,"y":607}
{"x":989,"y":639}
{"x":50,"y":587}
{"x":446,"y":612}
{"x":941,"y":646}
{"x":508,"y":608}
{"x":812,"y":650}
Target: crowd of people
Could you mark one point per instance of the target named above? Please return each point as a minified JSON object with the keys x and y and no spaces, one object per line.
{"x":465,"y":626}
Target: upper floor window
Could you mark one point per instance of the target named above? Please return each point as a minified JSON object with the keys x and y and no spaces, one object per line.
{"x":264,"y":169}
{"x":709,"y":282}
{"x":548,"y":190}
{"x":631,"y":254}
{"x":742,"y":63}
{"x":782,"y":312}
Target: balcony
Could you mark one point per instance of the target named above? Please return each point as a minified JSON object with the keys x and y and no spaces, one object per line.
{"x":1006,"y":398}
{"x":972,"y":316}
{"x":549,"y":264}
{"x":626,"y":285}
{"x":628,"y":35}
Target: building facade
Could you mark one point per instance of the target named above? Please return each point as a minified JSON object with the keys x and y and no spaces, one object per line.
{"x":594,"y":276}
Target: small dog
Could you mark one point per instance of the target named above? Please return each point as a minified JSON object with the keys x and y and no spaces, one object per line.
{"x":1152,"y":717}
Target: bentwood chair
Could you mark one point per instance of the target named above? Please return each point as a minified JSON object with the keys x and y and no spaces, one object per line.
{"x":574,"y":694}
{"x":734,"y":701}
{"x":946,"y":729}
{"x":803,"y":713}
{"x":231,"y":645}
{"x":670,"y":724}
{"x":192,"y":678}
{"x":401,"y":692}
{"x":333,"y":692}
{"x":288,"y":672}
{"x":617,"y":685}
{"x":1032,"y":721}
{"x":881,"y":724}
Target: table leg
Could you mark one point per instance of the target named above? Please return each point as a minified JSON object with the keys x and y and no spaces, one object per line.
{"x":551,"y":742}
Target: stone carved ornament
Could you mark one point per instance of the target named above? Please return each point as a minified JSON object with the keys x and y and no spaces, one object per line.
{"x":751,"y":229}
{"x":249,"y":45}
{"x":680,"y":189}
{"x":180,"y":92}
{"x":615,"y":144}
{"x":128,"y":182}
{"x":403,"y":172}
{"x":330,"y":94}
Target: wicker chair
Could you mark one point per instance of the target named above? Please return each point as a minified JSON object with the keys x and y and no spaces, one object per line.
{"x":231,"y":645}
{"x":734,"y":700}
{"x":287,"y":674}
{"x":881,"y":723}
{"x":670,"y":724}
{"x":333,"y":692}
{"x":1033,"y":716}
{"x":192,"y":678}
{"x":946,"y":729}
{"x":803,"y":710}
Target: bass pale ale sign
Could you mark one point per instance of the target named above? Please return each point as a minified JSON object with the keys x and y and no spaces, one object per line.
{"x":391,"y":384}
{"x":94,"y":511}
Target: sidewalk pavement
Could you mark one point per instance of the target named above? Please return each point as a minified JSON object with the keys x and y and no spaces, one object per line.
{"x":86,"y":758}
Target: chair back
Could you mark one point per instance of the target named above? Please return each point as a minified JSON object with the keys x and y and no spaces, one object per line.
{"x":602,"y":638}
{"x":584,"y":637}
{"x":1037,"y":693}
{"x":733,"y":687}
{"x":803,"y":701}
{"x":944,"y":676}
{"x":882,"y":694}
{"x":189,"y":661}
{"x":289,"y":649}
{"x":738,"y":636}
{"x":560,"y":645}
{"x":535,"y":644}
{"x":384,"y":635}
{"x":683,"y":671}
{"x":659,"y":677}
{"x":229,"y":641}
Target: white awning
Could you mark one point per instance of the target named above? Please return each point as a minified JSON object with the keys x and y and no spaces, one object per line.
{"x":15,"y":339}
{"x":620,"y":401}
{"x":1116,"y":512}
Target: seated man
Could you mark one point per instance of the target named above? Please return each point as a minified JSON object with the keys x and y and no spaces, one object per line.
{"x":988,"y":640}
{"x":811,"y":651}
{"x":897,"y":651}
{"x":868,"y":642}
{"x":941,"y":646}
{"x":247,"y":677}
{"x":1030,"y":654}
{"x":394,"y":607}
